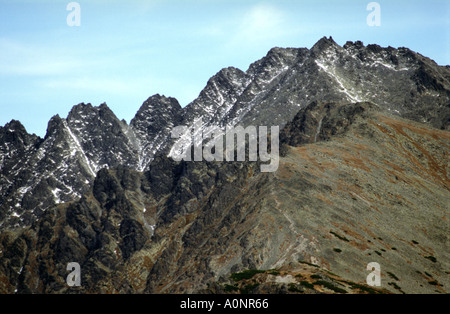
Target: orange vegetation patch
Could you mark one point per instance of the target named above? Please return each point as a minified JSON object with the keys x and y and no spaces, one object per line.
{"x":353,"y":155}
{"x":394,"y":166}
{"x":308,"y":154}
{"x":352,"y":161}
{"x":361,"y":242}
{"x":285,"y":170}
{"x":323,"y":198}
{"x":398,"y":125}
{"x":425,"y":163}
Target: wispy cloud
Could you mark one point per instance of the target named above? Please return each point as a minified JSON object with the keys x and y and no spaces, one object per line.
{"x":97,"y":84}
{"x":18,"y":58}
{"x":123,"y":86}
{"x":261,"y":23}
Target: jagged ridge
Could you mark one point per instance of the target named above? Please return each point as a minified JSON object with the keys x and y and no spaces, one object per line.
{"x":318,"y":94}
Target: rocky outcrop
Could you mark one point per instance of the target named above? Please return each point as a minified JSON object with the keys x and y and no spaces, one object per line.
{"x":321,"y":121}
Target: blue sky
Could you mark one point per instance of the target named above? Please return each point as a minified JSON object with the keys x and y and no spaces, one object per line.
{"x":125,"y":51}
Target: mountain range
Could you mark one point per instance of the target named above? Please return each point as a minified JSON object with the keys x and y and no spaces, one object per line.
{"x":362,"y":177}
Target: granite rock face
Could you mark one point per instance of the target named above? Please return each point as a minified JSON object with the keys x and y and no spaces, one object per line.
{"x":363,"y":177}
{"x":62,"y":166}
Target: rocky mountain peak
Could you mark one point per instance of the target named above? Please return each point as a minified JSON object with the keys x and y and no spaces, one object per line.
{"x":227,"y":81}
{"x":323,"y":44}
{"x":86,"y":114}
{"x":156,"y":107}
{"x":14,"y":132}
{"x":276,"y":60}
{"x":229,"y":74}
{"x":54,"y":125}
{"x":356,"y":45}
{"x":150,"y":128}
{"x":13,"y":126}
{"x":80,"y":110}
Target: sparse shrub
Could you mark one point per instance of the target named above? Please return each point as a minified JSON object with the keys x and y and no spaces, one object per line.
{"x":248,"y":288}
{"x":330,"y":286}
{"x":393,"y":276}
{"x":293,"y":288}
{"x":306,"y":263}
{"x":431,"y":258}
{"x":273,"y":272}
{"x":230,"y":288}
{"x":361,"y":287}
{"x":339,"y":236}
{"x":307,"y":284}
{"x":246,"y":274}
{"x":434,"y":283}
{"x":394,"y":285}
{"x":364,"y":288}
